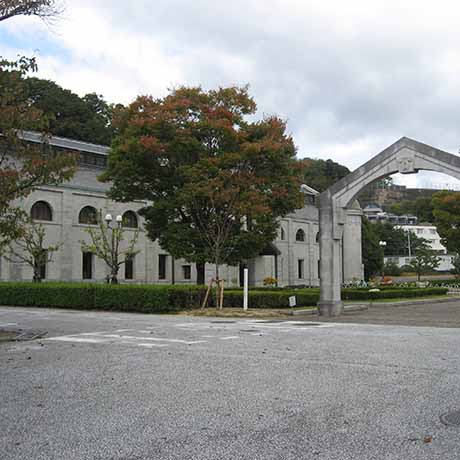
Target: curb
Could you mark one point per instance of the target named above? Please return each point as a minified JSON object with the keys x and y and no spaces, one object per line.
{"x":404,"y":303}
{"x":314,"y":311}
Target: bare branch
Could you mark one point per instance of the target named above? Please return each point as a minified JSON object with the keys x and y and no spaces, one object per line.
{"x":44,"y":9}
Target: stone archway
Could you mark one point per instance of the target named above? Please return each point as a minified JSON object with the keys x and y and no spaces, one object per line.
{"x":405,"y":156}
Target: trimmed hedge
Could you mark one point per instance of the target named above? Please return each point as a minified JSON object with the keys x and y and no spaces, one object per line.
{"x":134,"y":298}
{"x":449,"y":282}
{"x":359,"y":294}
{"x":165,"y":298}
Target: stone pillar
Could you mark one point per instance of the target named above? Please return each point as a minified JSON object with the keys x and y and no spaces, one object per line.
{"x":330,"y":302}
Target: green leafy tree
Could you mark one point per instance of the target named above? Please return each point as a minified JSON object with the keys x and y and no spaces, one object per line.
{"x":425,"y":261}
{"x":397,"y":241}
{"x":446,"y":210}
{"x":456,"y":265}
{"x":372,"y":253}
{"x":108,"y":244}
{"x":86,"y":119}
{"x":29,"y":248}
{"x":420,"y":207}
{"x":23,"y":165}
{"x":217,"y":183}
{"x":44,"y":9}
{"x":321,"y":174}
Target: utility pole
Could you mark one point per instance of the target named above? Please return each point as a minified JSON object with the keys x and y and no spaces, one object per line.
{"x":408,"y":243}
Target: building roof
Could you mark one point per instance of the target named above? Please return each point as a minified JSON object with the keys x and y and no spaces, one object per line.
{"x":308,"y":190}
{"x":65,"y":143}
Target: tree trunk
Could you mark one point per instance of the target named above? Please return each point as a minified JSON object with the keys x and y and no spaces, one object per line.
{"x":200,"y":266}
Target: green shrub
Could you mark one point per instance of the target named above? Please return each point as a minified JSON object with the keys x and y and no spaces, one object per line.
{"x":165,"y":298}
{"x":355,"y":294}
{"x":392,"y":269}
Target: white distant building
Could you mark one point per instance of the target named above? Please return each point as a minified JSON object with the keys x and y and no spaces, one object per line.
{"x":429,"y":233}
{"x":375,"y":213}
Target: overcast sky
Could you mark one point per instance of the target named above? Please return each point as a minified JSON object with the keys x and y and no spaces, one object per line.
{"x":350,"y":77}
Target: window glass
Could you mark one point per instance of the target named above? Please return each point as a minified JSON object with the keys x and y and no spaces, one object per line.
{"x":300,"y":269}
{"x":41,"y":211}
{"x":87,"y":265}
{"x":88,"y":216}
{"x":129,"y":268}
{"x":187,"y":272}
{"x":162,"y":266}
{"x":130,"y":219}
{"x":300,"y":235}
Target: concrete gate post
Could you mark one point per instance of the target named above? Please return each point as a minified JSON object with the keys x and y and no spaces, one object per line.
{"x":330,"y":235}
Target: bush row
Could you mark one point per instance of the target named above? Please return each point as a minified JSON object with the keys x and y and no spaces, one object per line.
{"x":162,"y":299}
{"x":146,"y":298}
{"x":448,"y":282}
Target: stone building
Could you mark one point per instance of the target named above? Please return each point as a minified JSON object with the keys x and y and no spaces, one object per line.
{"x":68,"y":209}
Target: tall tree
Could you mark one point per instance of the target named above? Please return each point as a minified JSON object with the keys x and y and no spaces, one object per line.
{"x":86,"y":119}
{"x":420,"y":207}
{"x":321,"y":174}
{"x":44,"y":9}
{"x":397,"y":241}
{"x":217,"y":182}
{"x":23,"y":165}
{"x":372,"y":252}
{"x":446,"y":211}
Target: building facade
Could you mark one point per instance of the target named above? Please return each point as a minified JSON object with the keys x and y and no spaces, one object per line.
{"x":68,"y":210}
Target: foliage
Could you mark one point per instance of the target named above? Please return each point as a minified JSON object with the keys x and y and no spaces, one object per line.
{"x":162,"y":299}
{"x":217,"y":182}
{"x":446,"y":210}
{"x":372,"y":253}
{"x":456,"y":264}
{"x":270,"y":281}
{"x":30,"y":248}
{"x":393,"y":293}
{"x":23,"y":165}
{"x":107,"y":244}
{"x":425,"y":261}
{"x":397,"y":240}
{"x":87,"y":118}
{"x":44,"y":9}
{"x":321,"y":174}
{"x":420,"y":207}
{"x":390,"y":268}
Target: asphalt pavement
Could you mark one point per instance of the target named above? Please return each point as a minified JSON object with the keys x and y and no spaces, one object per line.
{"x":131,"y":386}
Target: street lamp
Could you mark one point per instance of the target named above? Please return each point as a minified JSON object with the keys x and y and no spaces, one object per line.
{"x":115,"y":239}
{"x":383,"y":244}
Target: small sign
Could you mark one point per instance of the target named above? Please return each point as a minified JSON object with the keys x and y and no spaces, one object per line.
{"x":292,"y":301}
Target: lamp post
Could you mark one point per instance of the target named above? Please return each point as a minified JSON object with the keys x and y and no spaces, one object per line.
{"x":115,"y":241}
{"x":383,"y":244}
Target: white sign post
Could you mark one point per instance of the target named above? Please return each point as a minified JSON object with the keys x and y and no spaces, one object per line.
{"x":245,"y":287}
{"x":292,"y":301}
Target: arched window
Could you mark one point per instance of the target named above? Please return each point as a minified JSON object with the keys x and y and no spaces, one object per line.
{"x":282,"y":234}
{"x":317,"y":237}
{"x":300,"y":235}
{"x":88,"y":216}
{"x":130,"y":220}
{"x":41,"y":210}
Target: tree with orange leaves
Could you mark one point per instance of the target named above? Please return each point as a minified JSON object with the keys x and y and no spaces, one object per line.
{"x":216,"y":182}
{"x":23,"y":165}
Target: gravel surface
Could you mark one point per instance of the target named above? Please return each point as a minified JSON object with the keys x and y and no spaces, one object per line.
{"x":129,"y":387}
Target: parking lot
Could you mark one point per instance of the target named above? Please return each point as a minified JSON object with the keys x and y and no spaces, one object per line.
{"x":96,"y":385}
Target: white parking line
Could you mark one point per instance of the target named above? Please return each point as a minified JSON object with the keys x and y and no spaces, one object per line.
{"x":229,"y":338}
{"x":77,"y":339}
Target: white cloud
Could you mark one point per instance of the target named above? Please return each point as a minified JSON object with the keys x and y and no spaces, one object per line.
{"x":350,"y":77}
